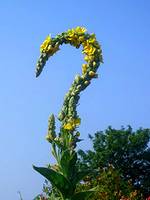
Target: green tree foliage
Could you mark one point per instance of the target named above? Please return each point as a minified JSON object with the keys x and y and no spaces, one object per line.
{"x":110,"y":186}
{"x":127,"y":150}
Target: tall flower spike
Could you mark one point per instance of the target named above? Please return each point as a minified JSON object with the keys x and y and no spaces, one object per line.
{"x":51,"y":135}
{"x":64,"y":144}
{"x":76,"y":37}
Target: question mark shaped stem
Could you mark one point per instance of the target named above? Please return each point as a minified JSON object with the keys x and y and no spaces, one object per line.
{"x":65,"y":175}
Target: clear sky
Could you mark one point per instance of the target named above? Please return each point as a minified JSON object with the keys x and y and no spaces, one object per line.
{"x":121,"y":95}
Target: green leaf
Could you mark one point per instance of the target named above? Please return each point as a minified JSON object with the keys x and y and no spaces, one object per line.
{"x":64,"y":162}
{"x":68,"y":162}
{"x":57,"y":179}
{"x":80,"y":175}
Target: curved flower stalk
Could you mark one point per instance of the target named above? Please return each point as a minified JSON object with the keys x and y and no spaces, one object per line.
{"x":64,"y":175}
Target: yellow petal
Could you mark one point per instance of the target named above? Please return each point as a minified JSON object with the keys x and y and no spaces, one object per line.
{"x":45,"y":44}
{"x":68,"y":126}
{"x":80,"y":30}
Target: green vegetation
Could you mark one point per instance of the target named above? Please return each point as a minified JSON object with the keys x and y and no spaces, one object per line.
{"x":65,"y":175}
{"x":128,"y":154}
{"x":118,"y":167}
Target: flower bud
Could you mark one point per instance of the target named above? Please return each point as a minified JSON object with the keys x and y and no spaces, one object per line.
{"x":51,"y":126}
{"x":94,"y":64}
{"x":72,"y":100}
{"x":79,"y":87}
{"x":49,"y":138}
{"x":78,"y":134}
{"x":61,"y":116}
{"x":93,"y":74}
{"x":78,"y":79}
{"x":86,"y":83}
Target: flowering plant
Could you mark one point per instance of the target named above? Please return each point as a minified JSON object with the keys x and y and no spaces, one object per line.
{"x":65,"y":175}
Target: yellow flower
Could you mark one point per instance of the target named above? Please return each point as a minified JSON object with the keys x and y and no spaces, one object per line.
{"x":89,"y":58}
{"x":72,"y":124}
{"x":68,"y":126}
{"x":76,"y":36}
{"x":45,"y":45}
{"x":92,"y":39}
{"x":73,"y":38}
{"x":80,"y":30}
{"x":71,"y":34}
{"x":81,"y":38}
{"x":89,"y":49}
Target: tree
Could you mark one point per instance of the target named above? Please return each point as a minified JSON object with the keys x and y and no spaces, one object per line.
{"x":110,"y":186}
{"x":126,"y":150}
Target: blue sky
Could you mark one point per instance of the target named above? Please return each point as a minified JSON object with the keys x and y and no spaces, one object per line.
{"x":121,"y":95}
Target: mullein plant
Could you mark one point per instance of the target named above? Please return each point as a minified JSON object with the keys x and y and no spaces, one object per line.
{"x":65,"y":175}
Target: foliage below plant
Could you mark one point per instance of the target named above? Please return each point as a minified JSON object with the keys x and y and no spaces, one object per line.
{"x":110,"y":186}
{"x":111,"y":181}
{"x":126,"y":150}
